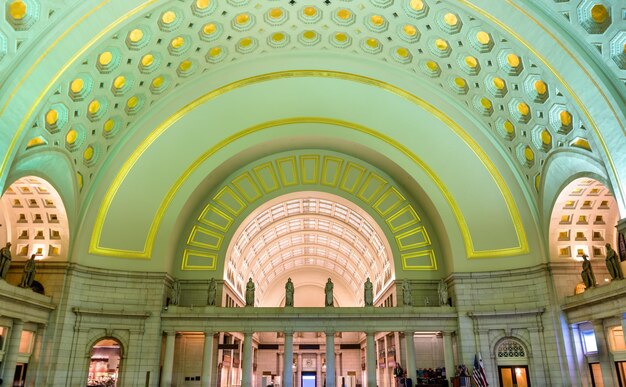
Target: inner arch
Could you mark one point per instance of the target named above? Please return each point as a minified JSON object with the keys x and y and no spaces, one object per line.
{"x":309,"y":232}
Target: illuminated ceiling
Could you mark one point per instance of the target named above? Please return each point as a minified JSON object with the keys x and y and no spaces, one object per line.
{"x":583,"y":220}
{"x":311,"y":231}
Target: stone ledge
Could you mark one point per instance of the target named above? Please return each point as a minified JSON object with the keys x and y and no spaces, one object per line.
{"x":614,"y":290}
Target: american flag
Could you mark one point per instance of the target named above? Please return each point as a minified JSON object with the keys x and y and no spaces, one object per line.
{"x":479,"y":372}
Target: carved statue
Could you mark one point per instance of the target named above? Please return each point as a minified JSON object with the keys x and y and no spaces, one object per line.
{"x":289,"y":290}
{"x":613,"y":263}
{"x":589,"y":279}
{"x":250,"y":293}
{"x":5,"y":260}
{"x":212,"y":292}
{"x":175,"y":293}
{"x":443,"y":292}
{"x":406,"y":293}
{"x":368,"y":291}
{"x":29,"y":273}
{"x":329,"y":292}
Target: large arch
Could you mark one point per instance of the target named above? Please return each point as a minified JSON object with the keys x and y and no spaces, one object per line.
{"x":341,"y":134}
{"x":391,"y":208}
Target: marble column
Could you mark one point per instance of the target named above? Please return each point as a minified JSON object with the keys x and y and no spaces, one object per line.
{"x":168,"y":361}
{"x":32,"y":378}
{"x":288,"y":360}
{"x":207,"y":359}
{"x":603,"y":353}
{"x":370,"y":358}
{"x":246,"y":377}
{"x":298,"y":369}
{"x":579,"y":349}
{"x":410,"y":356}
{"x":13,"y":348}
{"x":387,"y":374}
{"x":318,"y":369}
{"x":397,"y":346}
{"x":448,"y":356}
{"x":330,"y":359}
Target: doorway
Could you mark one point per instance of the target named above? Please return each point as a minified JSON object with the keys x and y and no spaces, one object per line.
{"x":20,"y":374}
{"x":620,"y":366}
{"x":513,"y":376}
{"x":104,"y":365}
{"x":309,"y":379}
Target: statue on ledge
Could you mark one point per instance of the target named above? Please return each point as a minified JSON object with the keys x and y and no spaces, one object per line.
{"x":368,"y":291}
{"x":250,"y":293}
{"x":212,"y":292}
{"x":29,"y":273}
{"x":613,"y":263}
{"x":289,"y":291}
{"x":329,"y":293}
{"x":443,"y":292}
{"x":5,"y":260}
{"x":406,"y":293}
{"x":589,"y":279}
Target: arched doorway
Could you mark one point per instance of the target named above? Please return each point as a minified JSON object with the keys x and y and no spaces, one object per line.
{"x":104,"y":365}
{"x":512,"y":360}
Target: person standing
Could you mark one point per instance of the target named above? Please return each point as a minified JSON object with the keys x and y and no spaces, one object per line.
{"x":398,"y":374}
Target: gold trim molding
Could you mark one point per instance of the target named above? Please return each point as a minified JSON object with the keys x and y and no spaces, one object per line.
{"x":96,"y":248}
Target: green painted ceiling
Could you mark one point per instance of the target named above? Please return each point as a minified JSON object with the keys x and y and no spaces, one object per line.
{"x":519,"y":83}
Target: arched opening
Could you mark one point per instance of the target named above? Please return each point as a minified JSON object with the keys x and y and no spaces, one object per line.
{"x":309,"y":237}
{"x":33,"y":220}
{"x":512,"y":361}
{"x":583,"y":223}
{"x":104,"y":364}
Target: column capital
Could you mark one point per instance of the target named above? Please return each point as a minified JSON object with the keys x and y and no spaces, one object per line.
{"x":447,"y":333}
{"x":329,"y":332}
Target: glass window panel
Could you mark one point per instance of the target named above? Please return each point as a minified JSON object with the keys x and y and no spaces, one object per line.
{"x":506,"y":374}
{"x":520,"y":377}
{"x":617,"y":339}
{"x":596,"y":374}
{"x":26,"y":341}
{"x":589,"y":339}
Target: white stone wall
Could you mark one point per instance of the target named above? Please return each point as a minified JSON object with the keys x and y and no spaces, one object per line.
{"x":350,"y":363}
{"x":510,"y":303}
{"x":188,"y":355}
{"x":92,"y":304}
{"x":524,"y":304}
{"x":428,"y":351}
